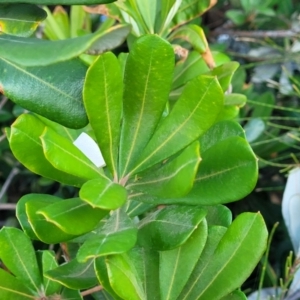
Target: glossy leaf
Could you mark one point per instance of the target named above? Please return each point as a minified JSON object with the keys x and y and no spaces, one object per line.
{"x":147,"y":10}
{"x":170,"y":227}
{"x":118,"y":235}
{"x":224,"y":73}
{"x":33,"y":49}
{"x":12,"y":288}
{"x":48,"y":262}
{"x":54,"y":90}
{"x":70,"y":294}
{"x":234,"y":259}
{"x":26,"y":146}
{"x":66,"y":213}
{"x":236,"y":295}
{"x":189,"y":10}
{"x":74,"y":275}
{"x":66,"y":157}
{"x":177,"y":265}
{"x":238,"y":100}
{"x":194,"y":35}
{"x":194,"y":66}
{"x":17,"y":254}
{"x":231,"y":162}
{"x":20,"y":19}
{"x":103,"y":92}
{"x":174,"y":178}
{"x":124,"y":278}
{"x":103,"y":193}
{"x":168,"y":11}
{"x":192,"y":115}
{"x":62,"y":2}
{"x":215,"y":234}
{"x":45,"y":231}
{"x":218,"y":215}
{"x":147,"y":81}
{"x":102,"y":275}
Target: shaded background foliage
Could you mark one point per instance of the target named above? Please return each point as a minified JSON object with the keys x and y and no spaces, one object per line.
{"x":264,"y":38}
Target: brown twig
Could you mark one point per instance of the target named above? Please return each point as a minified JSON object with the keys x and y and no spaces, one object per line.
{"x":92,"y":290}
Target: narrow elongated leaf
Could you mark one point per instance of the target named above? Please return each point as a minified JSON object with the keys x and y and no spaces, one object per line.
{"x":177,"y":265}
{"x":215,"y":234}
{"x":17,"y":253}
{"x":231,"y":162}
{"x":147,"y":80}
{"x":168,"y":10}
{"x":193,"y":114}
{"x":20,"y":19}
{"x":146,"y":263}
{"x":26,"y":146}
{"x":74,"y":275}
{"x":48,"y":262}
{"x":103,"y":193}
{"x":45,"y":231}
{"x":103,"y":92}
{"x":66,"y":157}
{"x":33,"y":50}
{"x":12,"y":288}
{"x":118,"y":235}
{"x":233,"y":260}
{"x":66,"y":213}
{"x":62,"y":2}
{"x":169,"y":227}
{"x":101,"y":273}
{"x":55,"y":91}
{"x":124,"y":278}
{"x":147,"y":10}
{"x":189,"y":10}
{"x":173,"y":179}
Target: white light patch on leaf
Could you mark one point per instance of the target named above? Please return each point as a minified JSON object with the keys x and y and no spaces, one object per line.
{"x":90,"y":149}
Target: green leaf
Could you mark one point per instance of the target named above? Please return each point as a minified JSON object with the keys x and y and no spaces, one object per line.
{"x":237,"y":16}
{"x":147,"y":10}
{"x":124,"y":278}
{"x":192,"y":115}
{"x":74,"y":275}
{"x":236,"y":295}
{"x":102,"y":275}
{"x":147,"y":81}
{"x":12,"y":288}
{"x":33,"y":49}
{"x":102,"y":94}
{"x":55,"y":90}
{"x":78,"y":20}
{"x":56,"y":26}
{"x":233,"y":260}
{"x":173,"y":179}
{"x":62,"y":2}
{"x":45,"y":231}
{"x":136,"y":208}
{"x":189,"y":10}
{"x":231,"y":162}
{"x":218,"y":215}
{"x":194,"y":66}
{"x":215,"y":234}
{"x":224,"y":73}
{"x":177,"y":265}
{"x":64,"y":214}
{"x":20,"y":19}
{"x":118,"y":235}
{"x":170,"y":227}
{"x":27,"y":148}
{"x":192,"y":34}
{"x":103,"y":193}
{"x":17,"y":254}
{"x":146,"y":263}
{"x":66,"y":157}
{"x":48,"y":262}
{"x":68,"y":294}
{"x":238,"y":100}
{"x":168,"y":10}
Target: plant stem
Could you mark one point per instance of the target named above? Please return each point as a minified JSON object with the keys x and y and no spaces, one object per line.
{"x":92,"y":290}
